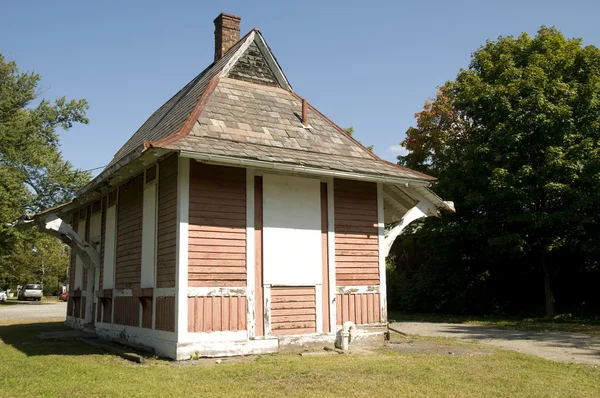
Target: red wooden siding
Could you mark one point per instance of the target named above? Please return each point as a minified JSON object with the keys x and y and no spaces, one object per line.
{"x":77,"y":307}
{"x":70,"y":306}
{"x":102,"y":236}
{"x":147,"y":313}
{"x":98,"y":311}
{"x":356,"y":233}
{"x":83,"y":306}
{"x":360,"y":308}
{"x":214,"y":314}
{"x":107,"y":311}
{"x":258,"y":257}
{"x":165,"y":314}
{"x":293,"y":310}
{"x":129,"y":234}
{"x":72,"y":266}
{"x":217,"y":226}
{"x":127,"y":311}
{"x":87,"y":211}
{"x":167,"y":222}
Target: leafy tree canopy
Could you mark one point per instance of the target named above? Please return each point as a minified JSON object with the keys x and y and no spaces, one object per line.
{"x":514,"y":141}
{"x":33,"y":173}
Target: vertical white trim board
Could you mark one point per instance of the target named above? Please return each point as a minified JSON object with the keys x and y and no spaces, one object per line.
{"x":380,"y":230}
{"x":181,"y":282}
{"x":250,"y":255}
{"x":331,"y":254}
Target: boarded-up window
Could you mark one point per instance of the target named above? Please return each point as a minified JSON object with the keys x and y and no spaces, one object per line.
{"x":217,"y":226}
{"x":356,"y":233}
{"x":129,"y":234}
{"x":293,"y":310}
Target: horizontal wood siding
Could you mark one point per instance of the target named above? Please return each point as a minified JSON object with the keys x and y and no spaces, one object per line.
{"x":356,"y":233}
{"x":98,"y":311}
{"x":361,"y":309}
{"x":147,"y":313}
{"x":167,"y":223}
{"x":83,"y":306}
{"x":102,"y":237}
{"x":106,"y":311}
{"x":72,"y":265}
{"x":77,"y":307}
{"x":293,"y":310}
{"x":70,"y":306}
{"x":217,"y":226}
{"x":86,"y":237}
{"x":214,"y":314}
{"x":127,"y":311}
{"x":165,"y":314}
{"x":129,"y":234}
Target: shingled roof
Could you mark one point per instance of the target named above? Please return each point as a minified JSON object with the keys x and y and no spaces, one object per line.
{"x":242,"y":107}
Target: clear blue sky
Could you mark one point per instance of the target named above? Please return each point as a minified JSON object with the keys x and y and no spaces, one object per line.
{"x":367,"y":64}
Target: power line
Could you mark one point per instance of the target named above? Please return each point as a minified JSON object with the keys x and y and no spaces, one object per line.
{"x":101,"y":167}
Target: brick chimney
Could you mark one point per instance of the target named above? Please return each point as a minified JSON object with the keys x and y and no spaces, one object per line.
{"x":227,"y":33}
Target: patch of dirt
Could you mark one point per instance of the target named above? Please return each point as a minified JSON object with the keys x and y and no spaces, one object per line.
{"x":216,"y":361}
{"x":408,"y":346}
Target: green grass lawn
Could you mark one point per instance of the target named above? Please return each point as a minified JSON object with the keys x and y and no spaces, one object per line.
{"x":560,"y":323}
{"x":69,"y":369}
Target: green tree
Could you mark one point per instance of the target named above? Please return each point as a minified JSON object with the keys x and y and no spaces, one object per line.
{"x":514,"y":141}
{"x":33,"y":174}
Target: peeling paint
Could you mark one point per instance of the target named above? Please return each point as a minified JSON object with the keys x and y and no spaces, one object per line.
{"x":216,"y":291}
{"x":358,"y":289}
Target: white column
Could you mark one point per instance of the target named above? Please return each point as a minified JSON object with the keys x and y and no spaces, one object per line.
{"x":382,"y":275}
{"x":181,"y":283}
{"x":331,"y":254}
{"x":250,"y":277}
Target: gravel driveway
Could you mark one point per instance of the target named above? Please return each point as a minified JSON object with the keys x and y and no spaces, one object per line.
{"x":560,"y":347}
{"x":32,"y":310}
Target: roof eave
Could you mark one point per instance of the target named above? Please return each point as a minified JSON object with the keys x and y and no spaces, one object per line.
{"x":297,"y":168}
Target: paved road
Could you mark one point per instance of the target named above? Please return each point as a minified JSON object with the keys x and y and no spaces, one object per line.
{"x":32,"y":310}
{"x":560,"y":347}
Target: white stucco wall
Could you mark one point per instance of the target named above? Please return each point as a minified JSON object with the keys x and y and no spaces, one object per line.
{"x":292,"y":230}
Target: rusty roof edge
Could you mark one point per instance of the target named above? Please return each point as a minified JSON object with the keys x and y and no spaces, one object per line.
{"x":188,"y":125}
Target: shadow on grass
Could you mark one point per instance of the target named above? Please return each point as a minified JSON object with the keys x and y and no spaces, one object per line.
{"x":23,"y":337}
{"x":29,"y":302}
{"x":573,"y":343}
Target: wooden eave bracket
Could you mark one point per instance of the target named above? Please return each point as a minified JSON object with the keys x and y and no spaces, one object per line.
{"x":75,"y":293}
{"x":420,"y":210}
{"x":52,"y":224}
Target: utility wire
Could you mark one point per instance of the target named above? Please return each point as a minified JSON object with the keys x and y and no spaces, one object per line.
{"x":101,"y":167}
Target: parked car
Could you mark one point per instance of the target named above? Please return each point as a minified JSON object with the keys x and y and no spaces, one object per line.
{"x":64,"y":296}
{"x":31,"y":291}
{"x":2,"y":295}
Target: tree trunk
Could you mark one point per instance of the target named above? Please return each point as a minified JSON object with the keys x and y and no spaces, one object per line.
{"x":548,"y":291}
